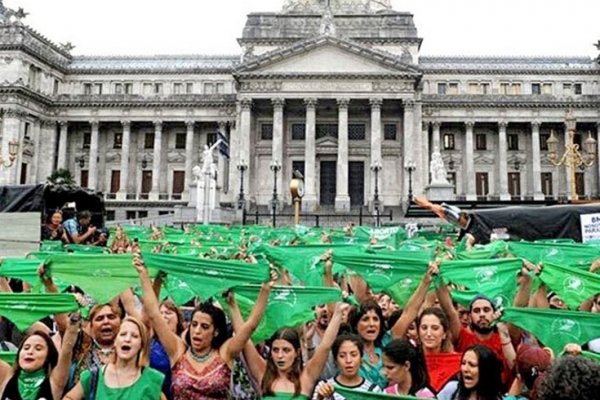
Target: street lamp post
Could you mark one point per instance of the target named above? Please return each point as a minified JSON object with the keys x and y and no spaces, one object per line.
{"x":275,"y":167}
{"x":410,"y":167}
{"x":572,"y":157}
{"x":13,"y":148}
{"x":242,"y":167}
{"x":376,"y":167}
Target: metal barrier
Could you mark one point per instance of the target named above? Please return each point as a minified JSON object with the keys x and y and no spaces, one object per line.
{"x":314,"y":219}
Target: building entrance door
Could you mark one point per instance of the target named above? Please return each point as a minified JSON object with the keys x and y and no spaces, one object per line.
{"x":328,"y":183}
{"x":356,"y":183}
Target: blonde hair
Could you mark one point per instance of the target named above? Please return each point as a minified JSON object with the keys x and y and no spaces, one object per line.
{"x":143,"y":357}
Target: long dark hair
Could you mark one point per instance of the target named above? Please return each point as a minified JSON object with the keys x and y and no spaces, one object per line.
{"x":51,"y":357}
{"x":365,"y":307}
{"x":292,"y":337}
{"x":400,"y":351}
{"x":219,"y":322}
{"x":489,"y":386}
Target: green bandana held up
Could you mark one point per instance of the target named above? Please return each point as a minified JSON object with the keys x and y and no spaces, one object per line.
{"x":350,"y":394}
{"x":496,"y":278}
{"x":23,"y":309}
{"x":572,"y":254}
{"x":101,"y":276}
{"x":555,"y":328}
{"x":207,"y":277}
{"x":30,"y":382}
{"x":573,"y":285}
{"x":288,"y":306}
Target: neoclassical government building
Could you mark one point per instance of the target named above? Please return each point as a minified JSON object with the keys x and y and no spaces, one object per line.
{"x":329,"y":88}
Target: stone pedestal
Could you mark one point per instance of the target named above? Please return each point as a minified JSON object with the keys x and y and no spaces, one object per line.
{"x":196,"y":190}
{"x":440,"y":192}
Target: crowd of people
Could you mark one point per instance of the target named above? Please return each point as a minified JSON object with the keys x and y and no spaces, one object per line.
{"x":142,"y":345}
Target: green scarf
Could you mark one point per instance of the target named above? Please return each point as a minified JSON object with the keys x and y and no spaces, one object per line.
{"x":480,"y":252}
{"x":555,"y":328}
{"x":573,"y":285}
{"x":206,"y":277}
{"x":288,"y":306}
{"x":495,"y":278}
{"x":30,"y":382}
{"x":23,"y":309}
{"x":350,"y":394}
{"x":102,"y":276}
{"x":574,"y":254}
{"x":26,"y":270}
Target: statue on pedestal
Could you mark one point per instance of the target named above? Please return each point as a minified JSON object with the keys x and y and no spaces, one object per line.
{"x":438,"y":170}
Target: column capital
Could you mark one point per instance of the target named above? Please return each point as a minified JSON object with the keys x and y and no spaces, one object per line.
{"x":157,"y":123}
{"x":310,"y":102}
{"x":343,"y":102}
{"x":126,"y":123}
{"x":47,"y":123}
{"x":469,"y":124}
{"x":94,"y":123}
{"x":502,"y":124}
{"x":376,"y":102}
{"x":278,"y":103}
{"x":190,"y":123}
{"x":436,"y":125}
{"x":245,"y":103}
{"x":408,"y":104}
{"x":535,"y":124}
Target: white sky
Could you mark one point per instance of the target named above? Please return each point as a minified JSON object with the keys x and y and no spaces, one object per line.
{"x":448,"y":27}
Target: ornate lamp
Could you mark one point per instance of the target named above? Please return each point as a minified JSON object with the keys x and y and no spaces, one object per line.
{"x":13,"y":148}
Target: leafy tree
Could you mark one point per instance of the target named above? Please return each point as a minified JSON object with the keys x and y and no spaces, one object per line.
{"x":61,"y":176}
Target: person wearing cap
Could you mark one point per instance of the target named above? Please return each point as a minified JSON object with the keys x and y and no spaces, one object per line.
{"x":531,"y":364}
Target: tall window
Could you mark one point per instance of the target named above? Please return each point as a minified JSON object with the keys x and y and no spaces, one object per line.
{"x":536,"y":88}
{"x":180,"y":140}
{"x":298,"y":132}
{"x":578,"y":88}
{"x":480,"y":141}
{"x":513,"y":141}
{"x":87,"y":140}
{"x":356,"y":132}
{"x":390,"y":131}
{"x":482,"y":187}
{"x":448,"y":141}
{"x":514,"y":185}
{"x":149,"y":140}
{"x":544,"y":141}
{"x":118,"y":142}
{"x":547,"y":183}
{"x":266,"y":131}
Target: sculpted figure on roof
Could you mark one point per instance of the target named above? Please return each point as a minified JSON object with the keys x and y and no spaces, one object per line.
{"x":336,"y":6}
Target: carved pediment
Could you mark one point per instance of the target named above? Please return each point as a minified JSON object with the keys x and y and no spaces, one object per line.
{"x":326,"y":55}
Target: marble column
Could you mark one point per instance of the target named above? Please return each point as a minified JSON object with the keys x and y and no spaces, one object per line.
{"x":93,"y":171}
{"x":342,"y":199}
{"x":244,"y":143}
{"x":221,"y":160}
{"x":566,"y":168}
{"x":11,"y":132}
{"x":48,"y":140}
{"x":124,"y":174}
{"x":234,"y":160}
{"x":436,"y":138}
{"x":503,"y":161}
{"x":536,"y":166}
{"x":409,"y":152}
{"x":156,"y":161}
{"x":62,"y":144}
{"x":309,"y":201}
{"x":376,"y":140}
{"x":469,"y":163}
{"x":189,"y":157}
{"x":425,"y":153}
{"x":277,"y":147}
{"x":36,"y":136}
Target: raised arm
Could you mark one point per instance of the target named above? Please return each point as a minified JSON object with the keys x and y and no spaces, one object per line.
{"x":411,"y":310}
{"x":232,"y":347}
{"x":60,"y":373}
{"x":174,"y":346}
{"x":315,"y":365}
{"x":256,"y":364}
{"x":59,"y":319}
{"x":443,"y":294}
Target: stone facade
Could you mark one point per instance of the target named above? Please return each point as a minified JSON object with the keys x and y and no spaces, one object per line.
{"x":327,"y":87}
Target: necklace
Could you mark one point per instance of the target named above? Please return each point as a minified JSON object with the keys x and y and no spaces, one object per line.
{"x":200,"y":358}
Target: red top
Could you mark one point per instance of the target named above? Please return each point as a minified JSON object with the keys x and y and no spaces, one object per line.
{"x":467,"y":338}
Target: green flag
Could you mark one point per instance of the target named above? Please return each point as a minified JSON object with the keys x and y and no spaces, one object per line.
{"x":24,"y":269}
{"x":23,"y":309}
{"x":481,"y":252}
{"x":495,"y":278}
{"x":288,"y":306}
{"x":351,"y":394}
{"x":574,"y":254}
{"x":101,"y":276}
{"x":8,"y":357}
{"x":207,"y":277}
{"x":572,"y":284}
{"x":85,"y":248}
{"x":555,"y":328}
